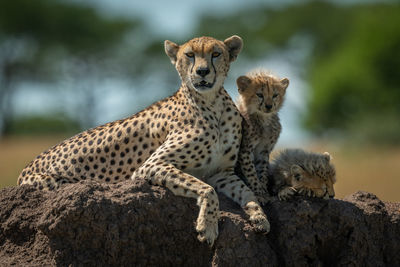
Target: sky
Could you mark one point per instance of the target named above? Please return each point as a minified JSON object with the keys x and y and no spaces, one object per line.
{"x":175,"y":20}
{"x":175,"y":17}
{"x":178,"y":17}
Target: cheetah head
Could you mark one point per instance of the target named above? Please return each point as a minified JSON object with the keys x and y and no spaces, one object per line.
{"x":317,"y":182}
{"x":261,"y":92}
{"x":203,"y":63}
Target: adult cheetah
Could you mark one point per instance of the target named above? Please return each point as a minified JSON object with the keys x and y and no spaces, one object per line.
{"x":188,"y":142}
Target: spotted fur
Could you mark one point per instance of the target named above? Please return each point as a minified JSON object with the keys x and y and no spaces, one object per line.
{"x":298,"y":171}
{"x":261,"y":96}
{"x":188,"y":142}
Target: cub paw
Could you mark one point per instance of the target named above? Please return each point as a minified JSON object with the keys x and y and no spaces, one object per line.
{"x":306,"y":192}
{"x":286,"y":193}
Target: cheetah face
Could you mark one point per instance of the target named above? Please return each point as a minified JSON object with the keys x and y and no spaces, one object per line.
{"x":318,"y":184}
{"x":261,"y":92}
{"x":203,"y":62}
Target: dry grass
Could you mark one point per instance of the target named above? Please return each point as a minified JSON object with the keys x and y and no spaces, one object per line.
{"x":370,"y":169}
{"x":17,"y":152}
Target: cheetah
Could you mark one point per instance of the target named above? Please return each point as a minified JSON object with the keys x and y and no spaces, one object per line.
{"x":261,"y":96}
{"x":188,"y":142}
{"x":298,"y":171}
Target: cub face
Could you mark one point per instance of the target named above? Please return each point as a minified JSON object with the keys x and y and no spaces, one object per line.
{"x":318,"y":183}
{"x":203,"y":63}
{"x":261,"y":92}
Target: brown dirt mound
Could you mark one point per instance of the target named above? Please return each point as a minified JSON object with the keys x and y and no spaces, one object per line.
{"x":133,"y":223}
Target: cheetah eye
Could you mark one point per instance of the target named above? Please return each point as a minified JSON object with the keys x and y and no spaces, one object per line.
{"x":275,"y":95}
{"x":215,"y":54}
{"x":297,"y":177}
{"x":259,"y":95}
{"x":190,"y":55}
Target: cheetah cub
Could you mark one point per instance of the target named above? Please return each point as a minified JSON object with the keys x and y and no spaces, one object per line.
{"x":261,"y":96}
{"x":307,"y":173}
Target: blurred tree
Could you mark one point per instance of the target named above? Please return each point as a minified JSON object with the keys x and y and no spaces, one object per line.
{"x":36,"y":37}
{"x":353,"y":67}
{"x":44,"y":125}
{"x":356,"y":87}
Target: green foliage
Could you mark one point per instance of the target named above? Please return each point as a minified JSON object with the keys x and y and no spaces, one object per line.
{"x":265,"y":29}
{"x":358,"y":81}
{"x":39,"y":38}
{"x":354,"y":64}
{"x":50,"y":23}
{"x":52,"y":31}
{"x":352,"y":70}
{"x":43,"y":125}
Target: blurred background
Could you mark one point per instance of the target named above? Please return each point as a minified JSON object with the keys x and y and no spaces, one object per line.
{"x":66,"y":66}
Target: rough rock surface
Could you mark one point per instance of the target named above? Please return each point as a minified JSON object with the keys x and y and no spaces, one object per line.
{"x":135,"y":224}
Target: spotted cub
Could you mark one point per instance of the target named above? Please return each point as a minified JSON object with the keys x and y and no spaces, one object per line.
{"x":297,"y":171}
{"x":261,"y":96}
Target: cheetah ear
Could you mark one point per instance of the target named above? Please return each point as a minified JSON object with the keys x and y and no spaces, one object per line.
{"x":327,"y":156}
{"x":234,"y":44}
{"x":171,"y":49}
{"x":243,"y":82}
{"x":285,"y":83}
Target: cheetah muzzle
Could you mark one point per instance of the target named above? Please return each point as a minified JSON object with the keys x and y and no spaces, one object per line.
{"x":203,"y":85}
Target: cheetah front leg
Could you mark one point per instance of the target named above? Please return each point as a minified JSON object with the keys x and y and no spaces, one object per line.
{"x":234,"y":188}
{"x":183,"y":184}
{"x":262,"y":169}
{"x":248,"y":169}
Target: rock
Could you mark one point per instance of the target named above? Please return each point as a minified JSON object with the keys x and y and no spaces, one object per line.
{"x":133,"y":223}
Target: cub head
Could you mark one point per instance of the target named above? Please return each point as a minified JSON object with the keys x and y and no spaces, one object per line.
{"x":316,"y":178}
{"x":261,"y":92}
{"x":203,"y":63}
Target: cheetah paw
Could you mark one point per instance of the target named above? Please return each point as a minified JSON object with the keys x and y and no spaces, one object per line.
{"x":208,"y":231}
{"x":306,"y":192}
{"x":263,"y":200}
{"x":286,"y":193}
{"x":260,"y":222}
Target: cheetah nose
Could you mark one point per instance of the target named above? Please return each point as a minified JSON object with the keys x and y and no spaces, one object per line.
{"x":203,"y":71}
{"x":268,"y":107}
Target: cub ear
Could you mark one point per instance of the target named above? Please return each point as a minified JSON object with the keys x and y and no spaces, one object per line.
{"x":327,"y":156}
{"x":171,"y":49}
{"x":285,"y":83}
{"x":243,"y":82}
{"x":296,"y":171}
{"x":234,"y":44}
